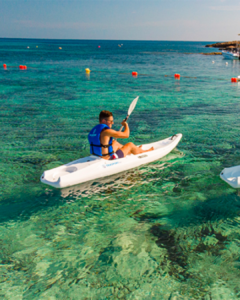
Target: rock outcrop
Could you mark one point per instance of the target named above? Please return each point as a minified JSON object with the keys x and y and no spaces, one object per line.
{"x":211,"y":53}
{"x":205,"y":53}
{"x":223,"y":45}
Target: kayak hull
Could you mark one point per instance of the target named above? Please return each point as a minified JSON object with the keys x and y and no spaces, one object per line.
{"x":93,"y":167}
{"x":231,"y":176}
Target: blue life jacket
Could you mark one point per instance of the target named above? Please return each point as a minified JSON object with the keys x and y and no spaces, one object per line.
{"x":95,"y":143}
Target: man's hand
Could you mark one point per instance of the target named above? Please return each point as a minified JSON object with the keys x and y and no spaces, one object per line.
{"x":124,"y":123}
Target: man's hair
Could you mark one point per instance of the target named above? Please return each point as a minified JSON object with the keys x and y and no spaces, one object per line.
{"x":104,"y":114}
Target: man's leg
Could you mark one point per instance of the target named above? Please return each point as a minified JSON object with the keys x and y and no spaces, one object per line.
{"x":116,"y":145}
{"x":130,"y":148}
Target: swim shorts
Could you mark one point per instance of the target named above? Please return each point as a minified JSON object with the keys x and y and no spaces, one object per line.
{"x":117,"y":154}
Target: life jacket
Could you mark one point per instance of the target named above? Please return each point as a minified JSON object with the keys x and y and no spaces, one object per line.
{"x":95,"y":143}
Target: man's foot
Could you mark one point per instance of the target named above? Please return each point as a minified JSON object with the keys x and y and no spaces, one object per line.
{"x":151,"y":149}
{"x":142,"y":151}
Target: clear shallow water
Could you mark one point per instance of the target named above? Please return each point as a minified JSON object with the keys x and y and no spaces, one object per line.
{"x":168,"y":230}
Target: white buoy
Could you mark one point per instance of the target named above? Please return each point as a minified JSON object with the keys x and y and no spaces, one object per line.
{"x":226,"y":63}
{"x":213,"y":61}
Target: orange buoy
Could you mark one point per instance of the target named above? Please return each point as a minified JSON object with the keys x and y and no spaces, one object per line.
{"x":134,"y":73}
{"x":4,"y":66}
{"x":22,"y":67}
{"x":177,"y":76}
{"x":234,"y":79}
{"x":87,"y":71}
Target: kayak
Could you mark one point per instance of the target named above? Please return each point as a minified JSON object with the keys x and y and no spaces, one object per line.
{"x":93,"y":167}
{"x":231,"y":176}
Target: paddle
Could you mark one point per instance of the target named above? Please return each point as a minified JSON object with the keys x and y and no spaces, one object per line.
{"x":130,"y":110}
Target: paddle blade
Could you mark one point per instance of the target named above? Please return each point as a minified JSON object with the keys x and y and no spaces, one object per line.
{"x":132,"y":106}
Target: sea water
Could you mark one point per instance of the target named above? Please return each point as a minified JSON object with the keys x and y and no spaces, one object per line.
{"x":167,"y":230}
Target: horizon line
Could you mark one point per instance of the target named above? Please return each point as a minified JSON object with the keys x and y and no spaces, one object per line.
{"x":10,"y":38}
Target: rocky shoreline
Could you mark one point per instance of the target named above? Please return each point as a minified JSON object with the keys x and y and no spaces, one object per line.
{"x":205,"y":53}
{"x":211,"y":53}
{"x":223,"y":45}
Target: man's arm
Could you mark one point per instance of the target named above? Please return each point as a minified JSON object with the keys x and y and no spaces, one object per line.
{"x":118,"y":134}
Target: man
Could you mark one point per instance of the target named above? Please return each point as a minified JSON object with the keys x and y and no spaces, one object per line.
{"x":102,"y":143}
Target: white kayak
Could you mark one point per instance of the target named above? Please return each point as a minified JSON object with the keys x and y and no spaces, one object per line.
{"x":93,"y":167}
{"x":231,"y":176}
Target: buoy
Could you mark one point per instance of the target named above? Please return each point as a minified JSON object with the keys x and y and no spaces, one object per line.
{"x":213,"y":61}
{"x":226,"y":63}
{"x":4,"y":66}
{"x":60,"y":48}
{"x":177,"y":76}
{"x":134,"y":73}
{"x":28,"y":47}
{"x":234,"y":79}
{"x":36,"y":46}
{"x":99,"y":46}
{"x":87,"y":71}
{"x":22,"y":67}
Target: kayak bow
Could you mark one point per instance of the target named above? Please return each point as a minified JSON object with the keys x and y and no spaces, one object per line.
{"x":231,"y":176}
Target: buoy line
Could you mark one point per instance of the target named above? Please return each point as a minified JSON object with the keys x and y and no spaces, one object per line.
{"x":134,"y":74}
{"x":21,"y":67}
{"x":176,"y":76}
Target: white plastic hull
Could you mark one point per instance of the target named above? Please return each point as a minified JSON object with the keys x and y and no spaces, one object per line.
{"x":93,"y":167}
{"x":231,"y":176}
{"x":230,"y":55}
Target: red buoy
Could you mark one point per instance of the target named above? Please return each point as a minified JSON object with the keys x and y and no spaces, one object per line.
{"x":234,"y":79}
{"x":177,"y":76}
{"x":134,"y":73}
{"x":22,"y":67}
{"x":99,"y":46}
{"x":4,"y":66}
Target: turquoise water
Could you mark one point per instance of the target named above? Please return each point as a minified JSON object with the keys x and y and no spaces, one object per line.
{"x":168,"y":230}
